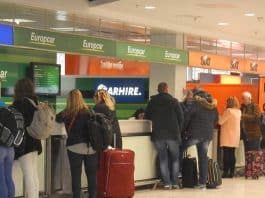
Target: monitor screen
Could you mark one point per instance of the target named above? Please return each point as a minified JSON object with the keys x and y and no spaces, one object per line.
{"x":46,"y":78}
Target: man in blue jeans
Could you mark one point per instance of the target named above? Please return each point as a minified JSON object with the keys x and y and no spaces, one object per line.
{"x":200,"y":122}
{"x":167,"y":117}
{"x":7,"y":188}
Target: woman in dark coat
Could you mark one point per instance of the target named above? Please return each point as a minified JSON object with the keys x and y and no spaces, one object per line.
{"x":105,"y":104}
{"x":27,"y":153}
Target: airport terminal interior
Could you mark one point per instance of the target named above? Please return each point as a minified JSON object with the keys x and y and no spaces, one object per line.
{"x":135,"y":57}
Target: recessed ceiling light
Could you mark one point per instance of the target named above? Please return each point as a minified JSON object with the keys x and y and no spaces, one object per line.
{"x":249,"y":14}
{"x":70,"y":29}
{"x":222,"y":23}
{"x":149,"y":7}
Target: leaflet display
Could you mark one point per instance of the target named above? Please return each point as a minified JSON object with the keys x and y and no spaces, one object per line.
{"x":46,"y":78}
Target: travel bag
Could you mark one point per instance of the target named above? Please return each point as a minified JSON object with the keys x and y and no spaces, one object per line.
{"x":214,"y":178}
{"x":254,"y":164}
{"x":43,"y":121}
{"x":11,"y":127}
{"x":116,"y":173}
{"x":189,"y":172}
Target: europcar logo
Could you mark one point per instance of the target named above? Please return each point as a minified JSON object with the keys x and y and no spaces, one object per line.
{"x":120,"y":91}
{"x":42,"y":39}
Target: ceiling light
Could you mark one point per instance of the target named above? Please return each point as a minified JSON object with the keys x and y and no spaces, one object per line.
{"x":249,"y":14}
{"x":17,"y":21}
{"x":70,"y":29}
{"x":149,"y":7}
{"x":222,"y":23}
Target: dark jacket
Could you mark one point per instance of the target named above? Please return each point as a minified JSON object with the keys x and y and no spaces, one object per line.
{"x":79,"y":130}
{"x":251,"y":121}
{"x":102,"y":108}
{"x":29,"y":143}
{"x":201,"y":119}
{"x":167,"y":117}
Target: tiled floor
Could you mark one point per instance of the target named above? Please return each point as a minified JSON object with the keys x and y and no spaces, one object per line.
{"x":231,"y":188}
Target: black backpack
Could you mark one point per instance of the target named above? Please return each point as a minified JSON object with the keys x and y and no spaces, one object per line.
{"x":100,"y":131}
{"x":11,"y":127}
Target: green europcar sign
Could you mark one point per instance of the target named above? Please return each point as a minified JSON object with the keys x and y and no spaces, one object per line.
{"x":60,"y":42}
{"x":92,"y":46}
{"x":151,"y":53}
{"x":169,"y":55}
{"x":32,"y":38}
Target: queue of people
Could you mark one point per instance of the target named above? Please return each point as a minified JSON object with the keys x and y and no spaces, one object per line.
{"x":175,"y":127}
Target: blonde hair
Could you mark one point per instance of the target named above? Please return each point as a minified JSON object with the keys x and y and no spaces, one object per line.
{"x":232,"y":102}
{"x":102,"y":96}
{"x":75,"y":103}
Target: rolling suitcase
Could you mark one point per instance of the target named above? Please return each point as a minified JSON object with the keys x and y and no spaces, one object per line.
{"x":214,"y":178}
{"x":254,"y":164}
{"x":189,"y":172}
{"x":116,"y":174}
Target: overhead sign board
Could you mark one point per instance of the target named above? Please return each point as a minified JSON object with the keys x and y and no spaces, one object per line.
{"x":6,"y":34}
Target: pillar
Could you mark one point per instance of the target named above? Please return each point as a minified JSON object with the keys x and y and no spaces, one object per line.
{"x":174,"y":75}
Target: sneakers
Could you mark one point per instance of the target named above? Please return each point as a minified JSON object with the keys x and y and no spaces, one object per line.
{"x":167,"y":187}
{"x":201,"y":186}
{"x":176,"y":187}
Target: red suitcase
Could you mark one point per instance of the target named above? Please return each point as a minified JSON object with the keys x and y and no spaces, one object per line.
{"x":116,"y":174}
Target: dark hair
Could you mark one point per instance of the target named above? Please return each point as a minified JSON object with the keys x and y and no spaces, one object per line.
{"x":162,"y":87}
{"x":24,"y":88}
{"x":137,"y":112}
{"x":202,"y":94}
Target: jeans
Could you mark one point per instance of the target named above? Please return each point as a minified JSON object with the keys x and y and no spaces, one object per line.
{"x":91,"y":165}
{"x":252,"y":145}
{"x":7,"y":188}
{"x":168,"y":151}
{"x":202,"y":150}
{"x":29,"y":166}
{"x":229,"y":160}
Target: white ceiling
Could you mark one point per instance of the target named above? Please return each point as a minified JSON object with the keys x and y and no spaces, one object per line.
{"x":191,"y":16}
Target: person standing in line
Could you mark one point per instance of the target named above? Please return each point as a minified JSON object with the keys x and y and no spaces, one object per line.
{"x":251,"y":122}
{"x":167,"y":119}
{"x":200,"y":122}
{"x":27,"y":153}
{"x":76,"y":117}
{"x":105,"y":104}
{"x":230,"y":135}
{"x":7,"y":155}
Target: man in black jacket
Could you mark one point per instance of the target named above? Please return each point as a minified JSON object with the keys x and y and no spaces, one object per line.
{"x":167,"y":118}
{"x":200,"y":122}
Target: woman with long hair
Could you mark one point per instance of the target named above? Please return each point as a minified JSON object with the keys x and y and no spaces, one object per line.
{"x":76,"y":117}
{"x":105,"y":103}
{"x":27,"y":153}
{"x":230,"y":134}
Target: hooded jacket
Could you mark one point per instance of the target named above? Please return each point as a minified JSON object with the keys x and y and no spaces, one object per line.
{"x":201,"y":119}
{"x":167,"y":117}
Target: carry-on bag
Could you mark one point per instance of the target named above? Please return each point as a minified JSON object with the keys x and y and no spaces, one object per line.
{"x":116,"y":173}
{"x":189,"y":172}
{"x":254,"y":164}
{"x":214,"y":178}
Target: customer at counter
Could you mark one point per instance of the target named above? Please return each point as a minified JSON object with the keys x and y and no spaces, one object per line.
{"x":167,"y":118}
{"x":27,"y":152}
{"x":104,"y":103}
{"x":230,"y":135}
{"x":76,"y":117}
{"x":251,"y":122}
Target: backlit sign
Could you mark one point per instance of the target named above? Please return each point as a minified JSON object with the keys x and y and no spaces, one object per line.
{"x":123,"y":90}
{"x":6,"y":34}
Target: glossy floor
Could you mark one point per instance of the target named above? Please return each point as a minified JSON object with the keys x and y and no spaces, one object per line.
{"x":231,"y":188}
